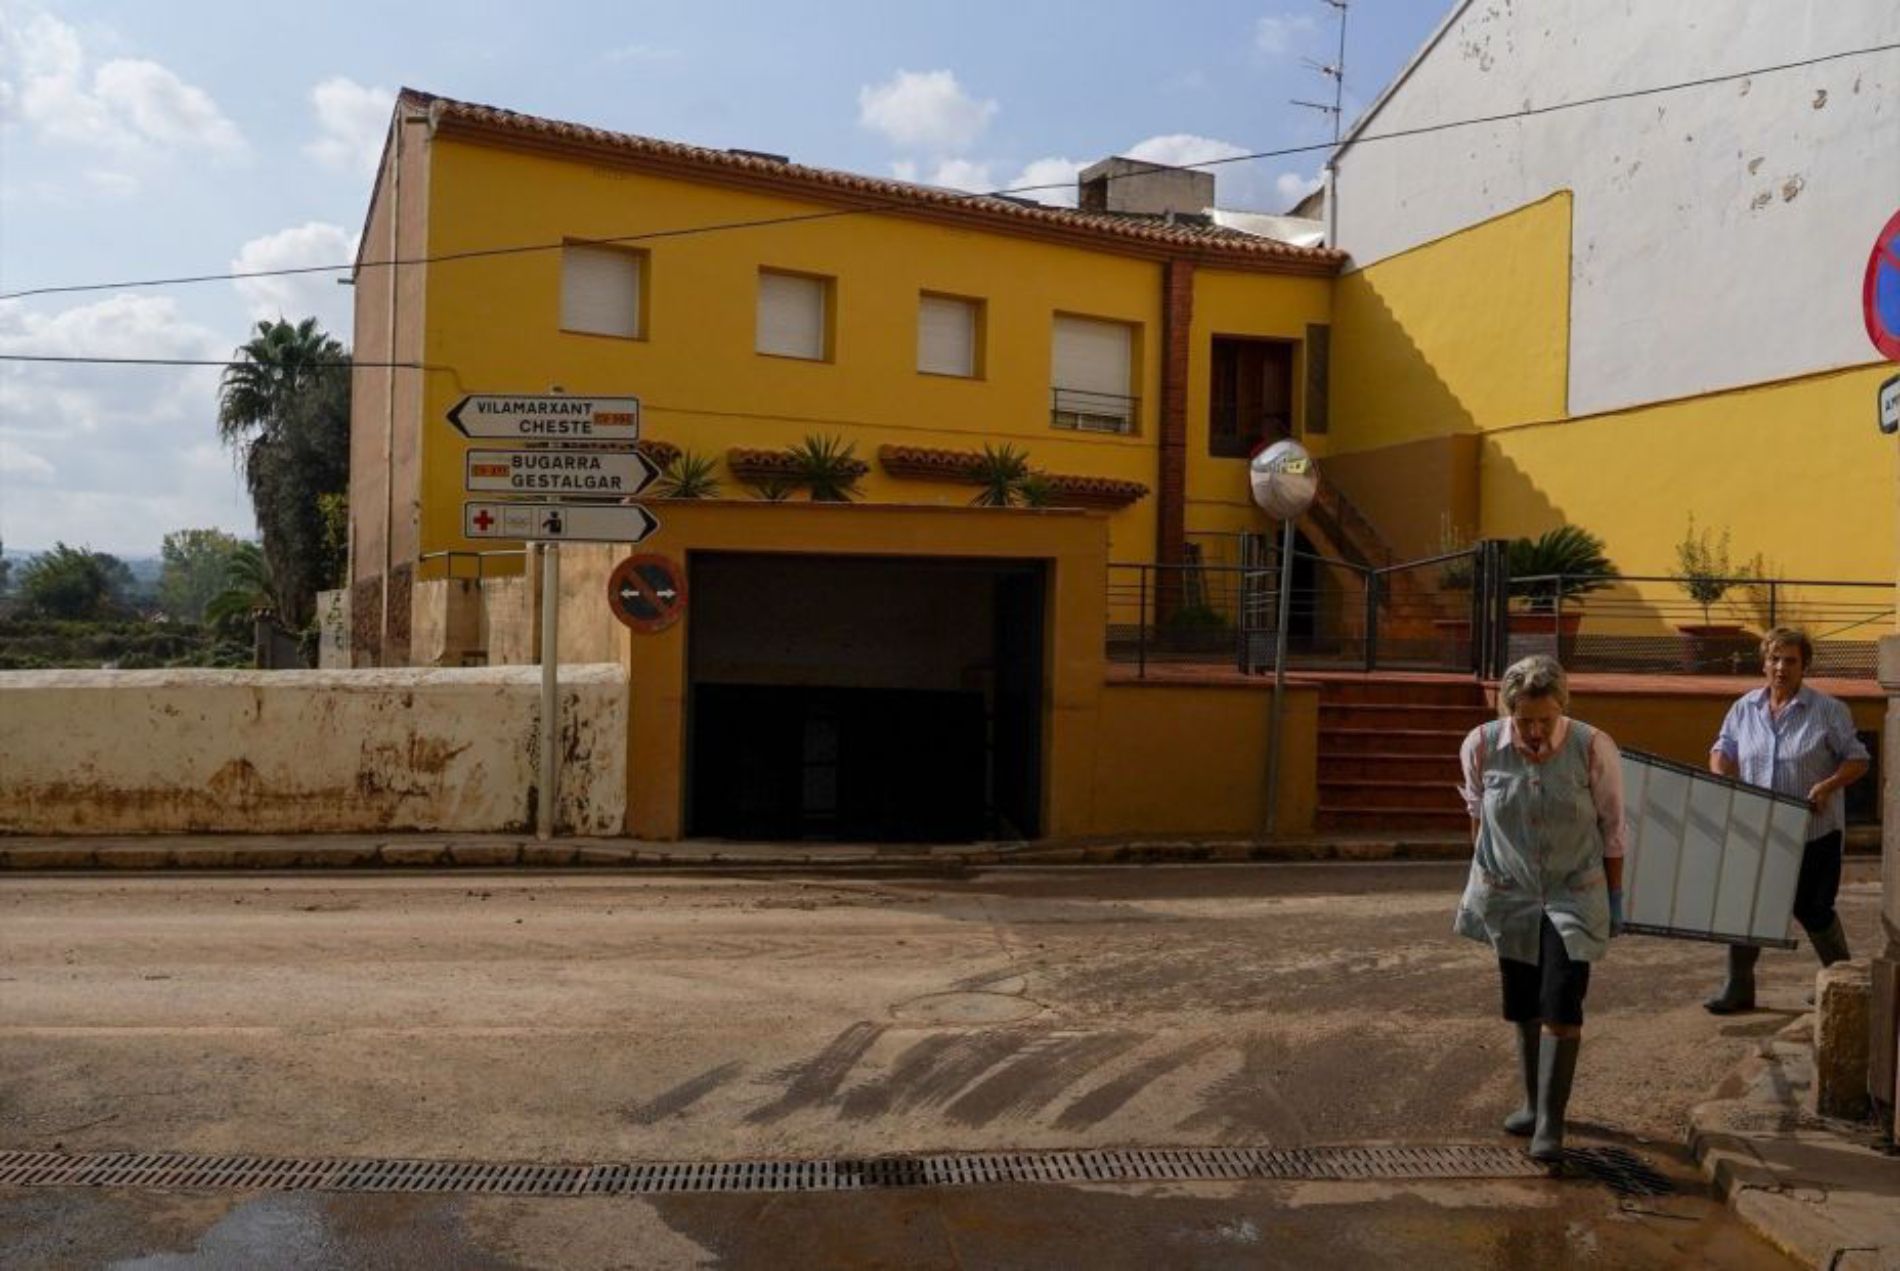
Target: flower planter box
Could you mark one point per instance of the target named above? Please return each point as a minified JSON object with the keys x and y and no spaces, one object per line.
{"x":1718,"y":649}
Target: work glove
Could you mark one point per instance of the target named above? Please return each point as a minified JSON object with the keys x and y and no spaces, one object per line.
{"x":1616,"y":913}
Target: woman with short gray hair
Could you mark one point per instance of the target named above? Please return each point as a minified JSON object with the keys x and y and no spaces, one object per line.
{"x":1545,"y":793}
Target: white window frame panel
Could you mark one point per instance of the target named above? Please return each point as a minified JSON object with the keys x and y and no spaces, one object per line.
{"x":1092,"y":375}
{"x":949,"y":335}
{"x":794,"y":317}
{"x":602,"y":290}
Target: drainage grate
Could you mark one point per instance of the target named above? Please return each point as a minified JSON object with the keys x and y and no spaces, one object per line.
{"x":177,"y":1170}
{"x":1620,"y":1170}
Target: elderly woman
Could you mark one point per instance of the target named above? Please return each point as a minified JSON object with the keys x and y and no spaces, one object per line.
{"x":1545,"y":794}
{"x":1793,"y":739}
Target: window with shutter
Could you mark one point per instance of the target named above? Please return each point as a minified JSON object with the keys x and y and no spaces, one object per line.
{"x":794,"y":315}
{"x":948,"y":335}
{"x":1092,"y":375}
{"x":600,"y":290}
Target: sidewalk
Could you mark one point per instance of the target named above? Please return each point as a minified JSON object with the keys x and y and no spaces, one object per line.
{"x":514,"y":851}
{"x":1816,"y":1189}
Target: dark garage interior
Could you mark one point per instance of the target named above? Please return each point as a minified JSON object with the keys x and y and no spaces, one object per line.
{"x":864,"y":699}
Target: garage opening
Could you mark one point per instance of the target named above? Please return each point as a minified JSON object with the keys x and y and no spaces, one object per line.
{"x":858,"y":699}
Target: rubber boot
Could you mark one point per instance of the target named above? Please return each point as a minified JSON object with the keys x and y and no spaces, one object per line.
{"x":1556,"y":1066}
{"x":1524,"y":1120}
{"x":1831,"y":944}
{"x":1738,"y":991}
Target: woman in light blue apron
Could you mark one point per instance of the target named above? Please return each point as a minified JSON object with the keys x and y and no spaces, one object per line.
{"x":1545,"y":794}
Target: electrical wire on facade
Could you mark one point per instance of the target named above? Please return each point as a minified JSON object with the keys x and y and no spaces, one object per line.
{"x":877,"y":205}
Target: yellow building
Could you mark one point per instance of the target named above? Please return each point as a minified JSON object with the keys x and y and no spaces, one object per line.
{"x":1135,"y":354}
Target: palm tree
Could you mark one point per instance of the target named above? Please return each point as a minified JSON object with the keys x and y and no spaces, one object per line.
{"x":283,"y":408}
{"x":248,"y":587}
{"x":828,"y":469}
{"x":1000,"y":472}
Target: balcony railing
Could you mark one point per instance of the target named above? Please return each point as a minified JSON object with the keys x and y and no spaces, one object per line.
{"x":1081,"y":410}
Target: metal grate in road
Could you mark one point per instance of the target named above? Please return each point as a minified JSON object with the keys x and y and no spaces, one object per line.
{"x":177,"y":1171}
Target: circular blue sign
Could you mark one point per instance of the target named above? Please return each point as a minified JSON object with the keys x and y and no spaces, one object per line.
{"x":1880,"y":295}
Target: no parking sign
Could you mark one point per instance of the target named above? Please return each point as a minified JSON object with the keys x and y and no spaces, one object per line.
{"x":1880,"y":294}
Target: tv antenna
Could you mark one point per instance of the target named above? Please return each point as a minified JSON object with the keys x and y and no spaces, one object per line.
{"x":1335,"y":71}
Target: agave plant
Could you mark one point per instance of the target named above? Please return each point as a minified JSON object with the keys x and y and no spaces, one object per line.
{"x":1568,"y":560}
{"x":690,"y":476}
{"x":1000,"y":472}
{"x":772,"y":489}
{"x":827,"y":468}
{"x":1035,"y":490}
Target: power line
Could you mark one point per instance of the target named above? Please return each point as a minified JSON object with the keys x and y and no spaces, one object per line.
{"x":196,"y":361}
{"x":889,"y":203}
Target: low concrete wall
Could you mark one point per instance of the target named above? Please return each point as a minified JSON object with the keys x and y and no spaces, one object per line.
{"x":304,"y":751}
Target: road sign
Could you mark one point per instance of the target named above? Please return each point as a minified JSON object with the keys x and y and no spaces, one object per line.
{"x":1890,"y":406}
{"x":559,"y":522}
{"x":647,"y":592}
{"x":600,"y":474}
{"x":1880,"y":293}
{"x":552,"y":418}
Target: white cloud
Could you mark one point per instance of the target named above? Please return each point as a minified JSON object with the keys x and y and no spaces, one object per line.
{"x":963,"y":174}
{"x":1277,"y":35}
{"x":111,"y":456}
{"x":352,"y":119}
{"x":1294,"y":186}
{"x":130,"y":104}
{"x":1053,"y":171}
{"x":904,"y":169}
{"x":298,"y":296}
{"x":1183,"y":149}
{"x":927,"y":110}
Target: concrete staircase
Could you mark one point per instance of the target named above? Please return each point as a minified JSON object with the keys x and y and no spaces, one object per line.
{"x":1388,"y":753}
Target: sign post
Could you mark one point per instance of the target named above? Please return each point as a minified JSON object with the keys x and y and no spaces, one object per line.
{"x":576,"y":470}
{"x":1285,"y":482}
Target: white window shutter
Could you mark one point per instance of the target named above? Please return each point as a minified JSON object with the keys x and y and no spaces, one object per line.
{"x":946,"y":336}
{"x":1092,"y":372}
{"x":792,"y":316}
{"x":600,"y":290}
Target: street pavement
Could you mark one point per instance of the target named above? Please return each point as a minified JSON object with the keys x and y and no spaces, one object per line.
{"x":612,"y":1017}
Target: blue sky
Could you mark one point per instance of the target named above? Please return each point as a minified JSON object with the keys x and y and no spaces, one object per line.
{"x":140,"y":139}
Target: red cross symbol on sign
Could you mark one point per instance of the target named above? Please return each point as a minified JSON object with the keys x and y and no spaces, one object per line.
{"x":483,"y":520}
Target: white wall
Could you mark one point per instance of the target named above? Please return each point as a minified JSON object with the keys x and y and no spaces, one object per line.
{"x":289,"y":752}
{"x":1721,"y":233}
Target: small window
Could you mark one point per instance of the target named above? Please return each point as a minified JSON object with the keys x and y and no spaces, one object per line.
{"x":1092,"y":370}
{"x":1250,"y":398}
{"x":794,"y":315}
{"x":600,"y":290}
{"x":948,"y":335}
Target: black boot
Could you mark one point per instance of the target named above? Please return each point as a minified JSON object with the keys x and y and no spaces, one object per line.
{"x":1831,"y":944}
{"x":1556,"y":1066}
{"x":1738,"y":991}
{"x":1524,"y":1120}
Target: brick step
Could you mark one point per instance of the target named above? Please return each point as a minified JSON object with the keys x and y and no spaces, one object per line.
{"x":1401,"y":692}
{"x":1437,"y":742}
{"x":1400,"y":715}
{"x":1435,"y":796}
{"x":1346,"y":766}
{"x":1392,"y":820}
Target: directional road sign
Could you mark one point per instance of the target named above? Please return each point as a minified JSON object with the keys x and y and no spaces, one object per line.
{"x":559,"y":522}
{"x":599,"y":474}
{"x":1890,"y":405}
{"x":556,"y":417}
{"x":647,"y":592}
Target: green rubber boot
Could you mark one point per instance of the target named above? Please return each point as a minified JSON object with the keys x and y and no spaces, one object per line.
{"x":1524,"y":1120}
{"x":1556,"y":1066}
{"x":1738,"y":990}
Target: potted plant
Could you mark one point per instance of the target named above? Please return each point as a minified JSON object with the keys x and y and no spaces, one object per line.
{"x":1705,"y":574}
{"x":1000,"y":473}
{"x":689,"y":476}
{"x":1557,"y":565}
{"x":827,"y":468}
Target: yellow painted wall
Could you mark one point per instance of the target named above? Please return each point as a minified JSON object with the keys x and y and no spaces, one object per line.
{"x":495,"y":323}
{"x":1191,"y":759}
{"x":1469,"y":334}
{"x":1682,"y":724}
{"x":1227,"y":303}
{"x":1464,"y":334}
